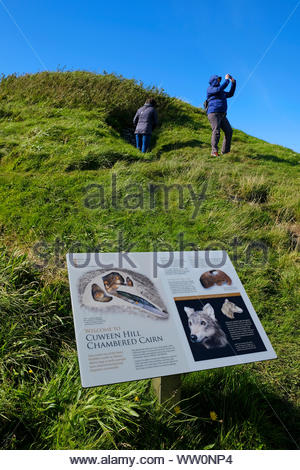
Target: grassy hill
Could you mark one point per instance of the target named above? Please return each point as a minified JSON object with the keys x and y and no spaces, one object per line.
{"x":63,"y":136}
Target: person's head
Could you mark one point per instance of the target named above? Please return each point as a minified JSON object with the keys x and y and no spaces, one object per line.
{"x":215,"y":80}
{"x":151,"y":101}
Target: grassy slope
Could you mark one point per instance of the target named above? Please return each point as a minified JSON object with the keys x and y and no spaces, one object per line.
{"x":60,"y":132}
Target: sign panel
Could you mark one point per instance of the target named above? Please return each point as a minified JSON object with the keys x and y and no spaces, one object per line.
{"x":142,"y":315}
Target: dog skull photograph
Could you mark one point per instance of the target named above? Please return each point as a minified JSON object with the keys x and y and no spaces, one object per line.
{"x":215,"y":277}
{"x":229,"y":309}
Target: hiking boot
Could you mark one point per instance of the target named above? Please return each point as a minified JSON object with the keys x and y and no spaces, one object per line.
{"x":214,"y":154}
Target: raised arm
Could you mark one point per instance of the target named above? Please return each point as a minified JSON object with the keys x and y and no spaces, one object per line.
{"x":216,"y":89}
{"x":230,"y":93}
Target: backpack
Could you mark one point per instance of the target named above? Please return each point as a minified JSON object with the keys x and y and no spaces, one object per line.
{"x":205,"y":104}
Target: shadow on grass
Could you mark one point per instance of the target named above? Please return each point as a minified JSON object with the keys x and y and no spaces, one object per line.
{"x":251,"y":415}
{"x":128,"y":135}
{"x":100,"y":161}
{"x":248,"y":416}
{"x":273,"y":158}
{"x":193,"y":143}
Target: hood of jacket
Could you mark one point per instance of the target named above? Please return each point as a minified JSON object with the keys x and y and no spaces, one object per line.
{"x":214,"y":80}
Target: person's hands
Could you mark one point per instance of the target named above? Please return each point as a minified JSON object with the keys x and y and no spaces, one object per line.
{"x":228,"y":77}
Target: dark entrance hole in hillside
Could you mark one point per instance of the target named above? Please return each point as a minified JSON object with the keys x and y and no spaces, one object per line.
{"x":128,"y":135}
{"x":120,"y":118}
{"x":121,"y":122}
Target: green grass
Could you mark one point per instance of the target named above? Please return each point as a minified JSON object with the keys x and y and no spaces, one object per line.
{"x":60,"y":133}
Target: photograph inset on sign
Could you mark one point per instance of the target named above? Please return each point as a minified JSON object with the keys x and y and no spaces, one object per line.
{"x":120,"y":290}
{"x":218,"y":327}
{"x":215,"y":277}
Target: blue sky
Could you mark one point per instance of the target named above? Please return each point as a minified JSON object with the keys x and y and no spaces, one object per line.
{"x":173,"y":44}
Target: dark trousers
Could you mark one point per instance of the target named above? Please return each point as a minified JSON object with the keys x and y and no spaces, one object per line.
{"x":143,"y":141}
{"x":219,"y":121}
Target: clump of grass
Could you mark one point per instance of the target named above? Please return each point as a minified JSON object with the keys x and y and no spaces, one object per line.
{"x":250,"y":188}
{"x":294,"y":234}
{"x":102,"y":417}
{"x":32,"y":324}
{"x":255,"y":190}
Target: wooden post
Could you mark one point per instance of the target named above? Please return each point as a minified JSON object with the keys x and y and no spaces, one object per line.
{"x":167,"y":388}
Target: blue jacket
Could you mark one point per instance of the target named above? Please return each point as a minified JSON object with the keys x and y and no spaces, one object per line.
{"x":145,"y":119}
{"x":217,"y":97}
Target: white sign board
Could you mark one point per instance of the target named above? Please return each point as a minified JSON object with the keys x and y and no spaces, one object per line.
{"x":142,"y":315}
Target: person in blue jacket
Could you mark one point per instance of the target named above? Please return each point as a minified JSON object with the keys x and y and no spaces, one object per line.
{"x":145,"y":121}
{"x":217,"y":110}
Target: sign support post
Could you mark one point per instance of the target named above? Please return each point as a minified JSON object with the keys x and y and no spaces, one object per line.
{"x":167,"y":388}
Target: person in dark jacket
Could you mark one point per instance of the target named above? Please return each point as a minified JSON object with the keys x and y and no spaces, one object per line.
{"x":217,"y":110}
{"x":145,"y":121}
